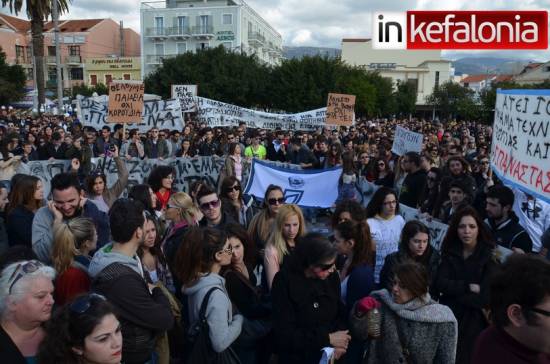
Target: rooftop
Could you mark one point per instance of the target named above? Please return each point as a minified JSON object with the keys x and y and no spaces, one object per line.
{"x":19,"y":25}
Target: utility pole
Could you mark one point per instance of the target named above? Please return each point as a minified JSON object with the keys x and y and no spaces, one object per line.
{"x":35,"y":91}
{"x":55,"y":15}
{"x":121,"y":39}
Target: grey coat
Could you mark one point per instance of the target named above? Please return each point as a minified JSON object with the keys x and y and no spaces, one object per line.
{"x":429,"y":332}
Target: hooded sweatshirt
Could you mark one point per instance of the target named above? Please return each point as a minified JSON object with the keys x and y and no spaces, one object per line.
{"x":142,"y":313}
{"x":224,"y":328}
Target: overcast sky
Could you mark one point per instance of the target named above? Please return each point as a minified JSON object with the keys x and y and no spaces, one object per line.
{"x":321,"y":23}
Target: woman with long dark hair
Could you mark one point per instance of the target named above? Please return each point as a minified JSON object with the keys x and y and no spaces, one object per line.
{"x":144,"y":194}
{"x":161,"y":180}
{"x":414,"y":245}
{"x":83,"y":331}
{"x":234,"y":202}
{"x":26,"y":197}
{"x":431,"y":191}
{"x":385,"y":225}
{"x":464,"y":274}
{"x":383,"y":176}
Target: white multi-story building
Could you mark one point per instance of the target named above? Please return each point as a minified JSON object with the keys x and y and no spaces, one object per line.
{"x":425,"y":69}
{"x":173,"y":27}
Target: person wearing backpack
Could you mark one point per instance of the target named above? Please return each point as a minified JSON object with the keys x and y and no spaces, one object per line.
{"x":198,"y":263}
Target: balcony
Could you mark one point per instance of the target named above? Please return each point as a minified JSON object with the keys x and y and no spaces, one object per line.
{"x":203,"y":32}
{"x":179,"y":33}
{"x":73,"y":60}
{"x":50,"y":59}
{"x":255,"y":39}
{"x":157,"y":33}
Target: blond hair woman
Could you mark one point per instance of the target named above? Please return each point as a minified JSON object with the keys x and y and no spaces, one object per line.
{"x":289,"y":226}
{"x":73,"y":242}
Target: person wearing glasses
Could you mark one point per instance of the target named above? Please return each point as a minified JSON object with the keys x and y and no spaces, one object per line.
{"x":26,"y":301}
{"x":211,"y":206}
{"x":520,"y":313}
{"x":385,"y":225}
{"x":383,"y":176}
{"x":308,"y":312}
{"x":464,"y":275}
{"x":161,"y":180}
{"x":198,"y":264}
{"x":117,"y":273}
{"x":289,"y":226}
{"x":234,"y":202}
{"x":260,"y":226}
{"x":83,"y":331}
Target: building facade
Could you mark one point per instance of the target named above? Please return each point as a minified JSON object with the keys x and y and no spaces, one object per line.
{"x":425,"y":69}
{"x":533,"y":73}
{"x":79,"y":40}
{"x":104,"y":70}
{"x":177,"y":26}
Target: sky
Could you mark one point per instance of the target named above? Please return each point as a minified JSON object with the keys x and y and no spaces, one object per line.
{"x":323,"y":23}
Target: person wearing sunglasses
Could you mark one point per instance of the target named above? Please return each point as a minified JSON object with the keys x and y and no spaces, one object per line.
{"x":383,"y":176}
{"x":85,"y":330}
{"x":308,"y":312}
{"x":289,"y":226}
{"x":260,"y":226}
{"x":234,"y":202}
{"x":26,"y":301}
{"x":117,"y":273}
{"x":211,"y":206}
{"x":198,"y":264}
{"x":520,"y":312}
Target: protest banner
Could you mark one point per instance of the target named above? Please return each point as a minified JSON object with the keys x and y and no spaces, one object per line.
{"x":340,"y":109}
{"x":313,"y":188}
{"x":520,"y":150}
{"x":186,"y":96}
{"x":163,"y":114}
{"x":438,"y":230}
{"x":405,"y":141}
{"x":125,"y":102}
{"x":216,"y":113}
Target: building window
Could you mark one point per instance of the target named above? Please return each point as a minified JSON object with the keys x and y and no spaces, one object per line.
{"x":30,"y":75}
{"x":436,"y":79}
{"x":108,"y":79}
{"x":159,"y":25}
{"x":20,"y":53}
{"x":127,"y":76}
{"x":51,"y":51}
{"x":547,"y":69}
{"x":74,"y":50}
{"x":93,"y":80}
{"x":182,"y":24}
{"x":204,"y":24}
{"x":76,"y":73}
{"x":182,"y":48}
{"x":159,"y":49}
{"x":227,"y":19}
{"x":52,"y":74}
{"x":202,"y":46}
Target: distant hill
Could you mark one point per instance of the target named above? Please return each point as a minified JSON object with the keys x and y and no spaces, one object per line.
{"x":480,"y":65}
{"x":299,"y":52}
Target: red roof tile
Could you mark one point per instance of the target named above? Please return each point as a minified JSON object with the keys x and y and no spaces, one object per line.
{"x":20,"y":25}
{"x":477,"y":78}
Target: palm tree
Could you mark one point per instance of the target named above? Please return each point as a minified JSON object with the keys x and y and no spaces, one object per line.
{"x":38,"y":12}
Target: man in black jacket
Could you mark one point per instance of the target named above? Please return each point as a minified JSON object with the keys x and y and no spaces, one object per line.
{"x":211,"y":207}
{"x":414,"y":182}
{"x":503,"y":222}
{"x":276,"y":150}
{"x":117,"y":273}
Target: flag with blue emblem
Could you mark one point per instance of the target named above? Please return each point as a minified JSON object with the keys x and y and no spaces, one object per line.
{"x":307,"y":188}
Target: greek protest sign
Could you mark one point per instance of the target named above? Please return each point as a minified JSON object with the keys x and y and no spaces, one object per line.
{"x":340,"y":109}
{"x":125,"y":102}
{"x":438,"y":230}
{"x":186,"y":96}
{"x":405,"y":141}
{"x":520,"y":150}
{"x":163,"y":114}
{"x":216,"y":113}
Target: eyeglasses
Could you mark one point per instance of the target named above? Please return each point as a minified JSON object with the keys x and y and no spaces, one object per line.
{"x":233,"y":188}
{"x":83,"y":303}
{"x":228,"y":250}
{"x":171,"y":207}
{"x":325,"y":267}
{"x":22,"y":269}
{"x":541,"y":311}
{"x":388,"y":203}
{"x":210,"y":205}
{"x":276,"y":201}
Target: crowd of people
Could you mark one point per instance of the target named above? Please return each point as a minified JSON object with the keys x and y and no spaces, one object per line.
{"x":108,"y":274}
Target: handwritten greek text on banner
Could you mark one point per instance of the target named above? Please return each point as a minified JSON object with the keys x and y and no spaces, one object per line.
{"x":406,"y":141}
{"x":520,"y":152}
{"x":311,"y":188}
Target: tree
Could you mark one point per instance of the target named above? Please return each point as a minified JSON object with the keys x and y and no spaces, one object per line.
{"x":405,"y":98}
{"x":12,"y":81}
{"x":84,"y":90}
{"x":454,"y":100}
{"x":38,"y":11}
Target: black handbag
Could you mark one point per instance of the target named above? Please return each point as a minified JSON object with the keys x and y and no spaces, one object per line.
{"x":199,"y":341}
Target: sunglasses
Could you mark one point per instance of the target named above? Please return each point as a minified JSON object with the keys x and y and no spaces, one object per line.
{"x":276,"y":201}
{"x":210,"y":205}
{"x":541,"y":311}
{"x":325,"y":267}
{"x":233,"y":188}
{"x":21,"y":270}
{"x":83,"y":303}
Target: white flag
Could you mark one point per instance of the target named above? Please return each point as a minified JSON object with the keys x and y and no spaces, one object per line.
{"x":308,"y":188}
